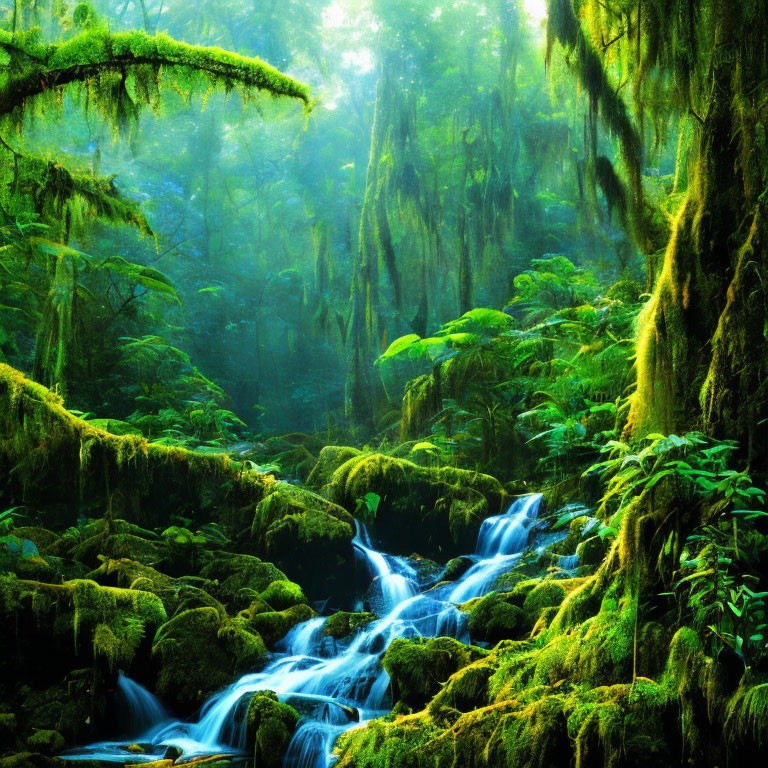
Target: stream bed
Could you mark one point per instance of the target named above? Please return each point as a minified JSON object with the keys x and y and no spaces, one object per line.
{"x":335,"y":686}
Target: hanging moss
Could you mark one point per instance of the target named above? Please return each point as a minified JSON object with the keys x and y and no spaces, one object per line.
{"x":49,"y":456}
{"x":422,"y":401}
{"x":102,"y":622}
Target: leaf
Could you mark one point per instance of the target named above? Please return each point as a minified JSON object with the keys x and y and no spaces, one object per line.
{"x":424,"y":446}
{"x":29,"y":548}
{"x":398,"y":346}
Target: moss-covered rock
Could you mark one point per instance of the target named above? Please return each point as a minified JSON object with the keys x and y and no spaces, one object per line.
{"x":456,"y":568}
{"x":47,"y":542}
{"x":282,"y":593}
{"x":129,"y":574}
{"x":547,"y":594}
{"x":495,"y":617}
{"x":50,"y":458}
{"x":46,"y":742}
{"x":237,"y":579}
{"x":418,"y":667}
{"x":275,"y":625}
{"x":466,"y":689}
{"x":434,"y":511}
{"x":200,"y":651}
{"x":330,"y":459}
{"x":342,"y":623}
{"x":33,"y":760}
{"x":79,"y":618}
{"x":307,"y":536}
{"x":270,"y":726}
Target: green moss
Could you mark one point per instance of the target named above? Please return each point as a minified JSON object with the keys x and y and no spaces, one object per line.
{"x":108,"y":621}
{"x":282,"y":594}
{"x":200,"y":651}
{"x":448,"y":504}
{"x":421,"y":403}
{"x":330,"y":459}
{"x":46,"y":742}
{"x":8,"y":728}
{"x":466,"y":689}
{"x":747,"y":713}
{"x":418,"y":667}
{"x":47,"y":455}
{"x":237,"y":579}
{"x":28,"y":760}
{"x":456,"y":568}
{"x":270,"y":726}
{"x":591,"y":551}
{"x":547,"y":594}
{"x":38,"y":68}
{"x":342,"y":623}
{"x":495,"y":617}
{"x":274,"y":625}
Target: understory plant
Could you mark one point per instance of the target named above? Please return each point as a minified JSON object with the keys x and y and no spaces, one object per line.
{"x":715,"y":573}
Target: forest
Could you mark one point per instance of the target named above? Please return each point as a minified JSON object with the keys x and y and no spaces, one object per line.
{"x":383,"y":383}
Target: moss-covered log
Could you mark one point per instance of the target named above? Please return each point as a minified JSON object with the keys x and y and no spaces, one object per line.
{"x":50,"y":458}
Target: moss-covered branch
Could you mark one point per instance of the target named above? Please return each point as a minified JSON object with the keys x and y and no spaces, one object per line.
{"x":36,"y":67}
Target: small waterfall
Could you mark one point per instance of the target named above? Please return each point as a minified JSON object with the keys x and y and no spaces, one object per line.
{"x":394,"y":577}
{"x":508,"y":534}
{"x":138,"y":709}
{"x":500,"y":544}
{"x":336,"y":687}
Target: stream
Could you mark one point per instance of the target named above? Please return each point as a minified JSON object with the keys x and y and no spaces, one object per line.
{"x":335,"y":686}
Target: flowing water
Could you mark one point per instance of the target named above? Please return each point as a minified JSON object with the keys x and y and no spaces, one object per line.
{"x":335,"y":686}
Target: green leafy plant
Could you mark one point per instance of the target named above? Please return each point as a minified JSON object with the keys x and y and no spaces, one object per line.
{"x":367,"y":507}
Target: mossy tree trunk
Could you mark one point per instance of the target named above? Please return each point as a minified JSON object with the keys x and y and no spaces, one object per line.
{"x":702,"y":360}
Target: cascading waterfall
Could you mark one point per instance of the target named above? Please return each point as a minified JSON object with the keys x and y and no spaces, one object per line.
{"x":338,"y":686}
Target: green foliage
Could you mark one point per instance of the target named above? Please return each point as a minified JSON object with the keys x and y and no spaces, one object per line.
{"x":367,"y":506}
{"x":550,"y":374}
{"x":717,"y":578}
{"x":177,"y":404}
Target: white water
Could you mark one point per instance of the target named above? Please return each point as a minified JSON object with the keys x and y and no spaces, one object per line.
{"x":337,"y":686}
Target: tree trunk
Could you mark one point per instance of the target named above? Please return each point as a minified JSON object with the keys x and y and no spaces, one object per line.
{"x":701,"y":357}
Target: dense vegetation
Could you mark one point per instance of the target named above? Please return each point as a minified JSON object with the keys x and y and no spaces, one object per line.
{"x":427,"y":260}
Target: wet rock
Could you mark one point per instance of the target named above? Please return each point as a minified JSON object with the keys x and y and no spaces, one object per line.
{"x":270,"y":726}
{"x":343,"y":623}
